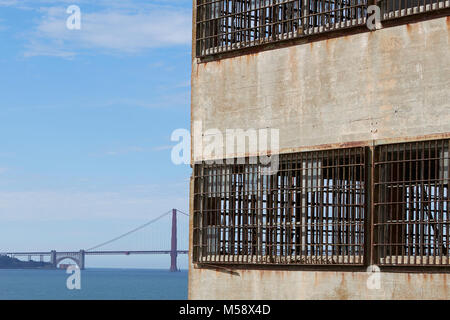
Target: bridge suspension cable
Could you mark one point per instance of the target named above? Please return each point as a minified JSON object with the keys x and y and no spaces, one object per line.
{"x":129,"y":232}
{"x":186,"y":214}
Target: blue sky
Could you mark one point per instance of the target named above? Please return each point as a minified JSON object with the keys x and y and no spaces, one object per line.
{"x":86,"y":118}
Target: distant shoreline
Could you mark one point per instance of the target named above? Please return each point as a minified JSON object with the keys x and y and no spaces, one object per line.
{"x":13,"y":263}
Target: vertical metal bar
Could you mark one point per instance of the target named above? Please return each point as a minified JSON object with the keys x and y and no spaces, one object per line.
{"x":372,"y":190}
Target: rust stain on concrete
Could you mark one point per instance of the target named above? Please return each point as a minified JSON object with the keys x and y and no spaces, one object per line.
{"x":316,"y":280}
{"x":196,"y":71}
{"x":408,"y":28}
{"x":261,"y":274}
{"x":391,"y":43}
{"x":386,"y":107}
{"x":251,"y":55}
{"x":412,"y":29}
{"x":445,"y":275}
{"x":327,"y":45}
{"x":292,"y":58}
{"x":341,"y":292}
{"x":248,"y":58}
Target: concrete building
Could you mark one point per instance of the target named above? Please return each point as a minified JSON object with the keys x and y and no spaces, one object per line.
{"x":358,"y":118}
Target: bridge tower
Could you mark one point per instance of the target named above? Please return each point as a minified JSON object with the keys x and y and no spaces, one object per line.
{"x":82,"y":259}
{"x":173,"y":249}
{"x":53,"y":259}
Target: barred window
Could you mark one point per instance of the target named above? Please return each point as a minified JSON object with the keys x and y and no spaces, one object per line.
{"x":392,"y":9}
{"x":311,"y":211}
{"x":412,"y":221}
{"x":226,"y":25}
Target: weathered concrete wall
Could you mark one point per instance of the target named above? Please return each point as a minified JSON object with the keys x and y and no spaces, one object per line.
{"x":387,"y":84}
{"x":285,"y":285}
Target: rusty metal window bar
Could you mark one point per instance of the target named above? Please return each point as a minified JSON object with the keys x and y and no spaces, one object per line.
{"x":411,"y":201}
{"x":228,"y":25}
{"x":311,"y":212}
{"x":392,"y":9}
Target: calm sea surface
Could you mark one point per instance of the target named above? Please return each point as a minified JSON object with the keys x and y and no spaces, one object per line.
{"x":96,"y":284}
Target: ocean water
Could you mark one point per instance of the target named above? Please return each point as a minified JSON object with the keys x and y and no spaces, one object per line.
{"x":96,"y":284}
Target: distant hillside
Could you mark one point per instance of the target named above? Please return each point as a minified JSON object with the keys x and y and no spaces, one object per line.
{"x":12,"y":263}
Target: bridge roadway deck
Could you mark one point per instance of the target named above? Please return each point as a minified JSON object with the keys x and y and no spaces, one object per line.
{"x":92,"y":253}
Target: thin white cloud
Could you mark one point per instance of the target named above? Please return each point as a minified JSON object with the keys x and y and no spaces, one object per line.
{"x":124,"y":151}
{"x":163,"y":148}
{"x":8,"y":3}
{"x":37,"y":48}
{"x":110,"y":30}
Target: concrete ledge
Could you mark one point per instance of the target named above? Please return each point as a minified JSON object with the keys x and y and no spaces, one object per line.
{"x":305,"y":285}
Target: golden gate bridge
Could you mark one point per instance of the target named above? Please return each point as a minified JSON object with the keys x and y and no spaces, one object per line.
{"x":79,"y":257}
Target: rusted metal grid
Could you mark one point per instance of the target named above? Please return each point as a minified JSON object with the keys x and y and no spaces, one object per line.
{"x":391,"y":9}
{"x":227,"y":25}
{"x":411,"y":200}
{"x":311,"y":212}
